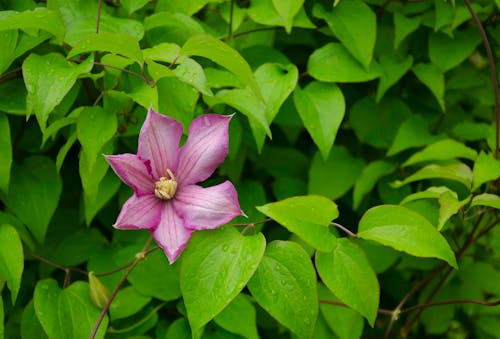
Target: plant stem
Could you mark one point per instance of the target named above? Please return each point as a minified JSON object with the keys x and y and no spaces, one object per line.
{"x":345,"y":229}
{"x":98,"y":21}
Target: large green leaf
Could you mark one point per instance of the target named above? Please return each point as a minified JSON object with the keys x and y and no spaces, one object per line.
{"x":91,"y":176}
{"x":67,"y":313}
{"x":433,"y":78}
{"x":333,"y":63}
{"x":30,"y":325}
{"x":355,"y":25}
{"x":287,"y":9}
{"x":369,"y":177}
{"x":34,"y":193}
{"x":116,"y":43}
{"x":486,"y":199}
{"x":486,"y":168}
{"x":403,"y":26}
{"x":285,"y":286}
{"x":207,"y":46}
{"x":321,"y":107}
{"x":5,"y":153}
{"x":392,"y":70}
{"x":216,"y":266}
{"x":95,"y":128}
{"x":348,"y":274}
{"x":405,"y":230}
{"x":307,"y":216}
{"x":456,"y":172}
{"x":335,"y":176}
{"x":11,"y":260}
{"x":239,"y":317}
{"x":442,"y":150}
{"x":48,"y":79}
{"x":40,"y":18}
{"x":128,"y":301}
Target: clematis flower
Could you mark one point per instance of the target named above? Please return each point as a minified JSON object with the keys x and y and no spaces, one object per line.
{"x":166,"y":199}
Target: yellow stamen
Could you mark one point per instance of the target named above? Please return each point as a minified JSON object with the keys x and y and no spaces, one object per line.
{"x":165,"y":188}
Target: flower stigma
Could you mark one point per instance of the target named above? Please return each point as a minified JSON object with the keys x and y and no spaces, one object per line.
{"x":165,"y":188}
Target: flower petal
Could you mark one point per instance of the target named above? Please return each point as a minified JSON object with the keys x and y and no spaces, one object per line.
{"x":159,"y":143}
{"x":207,"y":208}
{"x":205,"y":148}
{"x":140,"y":212}
{"x":171,"y":235}
{"x":133,"y":172}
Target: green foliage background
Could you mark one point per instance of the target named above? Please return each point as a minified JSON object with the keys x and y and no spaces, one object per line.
{"x":364,"y":150}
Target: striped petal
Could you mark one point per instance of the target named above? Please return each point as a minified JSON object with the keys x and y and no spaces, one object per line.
{"x":140,"y":212}
{"x":133,"y":172}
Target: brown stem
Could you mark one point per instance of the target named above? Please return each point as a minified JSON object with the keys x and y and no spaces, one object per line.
{"x":98,"y":21}
{"x":493,"y":73}
{"x":55,"y":265}
{"x":451,"y":302}
{"x":10,"y":74}
{"x":138,"y":258}
{"x":345,"y":229}
{"x":341,"y":304}
{"x":230,"y":28}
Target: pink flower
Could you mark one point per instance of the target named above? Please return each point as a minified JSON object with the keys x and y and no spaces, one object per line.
{"x":166,"y":200}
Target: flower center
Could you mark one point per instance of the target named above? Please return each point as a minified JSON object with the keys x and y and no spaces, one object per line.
{"x":165,"y":188}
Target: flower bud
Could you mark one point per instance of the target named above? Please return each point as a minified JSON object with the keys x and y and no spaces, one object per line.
{"x":98,"y":292}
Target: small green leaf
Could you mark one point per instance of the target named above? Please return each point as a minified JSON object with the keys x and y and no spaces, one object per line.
{"x":404,"y":26}
{"x":355,"y":25}
{"x":11,"y":260}
{"x":335,"y":176}
{"x":348,"y":274}
{"x":442,"y":150}
{"x":5,"y":153}
{"x":122,"y":44}
{"x":107,"y":189}
{"x":369,"y":177}
{"x":169,"y":92}
{"x":133,"y":5}
{"x":430,"y":193}
{"x":216,"y":266}
{"x":285,"y":286}
{"x":449,"y":205}
{"x":34,"y":193}
{"x":486,"y":168}
{"x":128,"y":301}
{"x":95,"y":128}
{"x":457,"y":172}
{"x":486,"y":199}
{"x":191,"y":72}
{"x":239,"y":317}
{"x":333,"y":63}
{"x":433,"y":78}
{"x":321,"y":107}
{"x":405,"y":230}
{"x":264,"y":12}
{"x":91,"y":176}
{"x":307,"y":216}
{"x":287,"y":9}
{"x":40,"y":18}
{"x":393,"y":69}
{"x":8,"y":42}
{"x":48,"y":79}
{"x":207,"y":46}
{"x":67,"y":313}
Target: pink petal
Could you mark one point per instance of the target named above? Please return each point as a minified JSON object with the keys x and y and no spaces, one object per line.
{"x":141,"y":212}
{"x":205,"y":148}
{"x":159,"y":143}
{"x":207,"y":208}
{"x":171,"y":235}
{"x":133,"y":172}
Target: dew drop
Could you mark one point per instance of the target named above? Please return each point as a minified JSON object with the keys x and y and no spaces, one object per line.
{"x":225,"y":248}
{"x":273,"y":292}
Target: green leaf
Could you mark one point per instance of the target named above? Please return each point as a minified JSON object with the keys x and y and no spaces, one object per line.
{"x":486,"y":168}
{"x":456,"y":172}
{"x":285,"y":286}
{"x":405,"y":230}
{"x":165,"y":285}
{"x":448,"y":52}
{"x":348,"y":274}
{"x":2,"y":321}
{"x":191,"y":72}
{"x":34,"y":193}
{"x":333,"y":63}
{"x":94,"y":129}
{"x":442,"y":150}
{"x":433,"y":78}
{"x":169,"y":92}
{"x":239,"y":317}
{"x":11,"y":259}
{"x":78,"y":246}
{"x":433,"y":192}
{"x":128,"y":301}
{"x":287,"y":10}
{"x":264,"y":12}
{"x":404,"y":26}
{"x":8,"y":42}
{"x":335,"y":176}
{"x":216,"y":266}
{"x":107,"y":189}
{"x":321,"y":107}
{"x":13,"y":97}
{"x":179,"y":330}
{"x":449,"y":205}
{"x":48,"y":79}
{"x":133,"y":5}
{"x":355,"y":25}
{"x":393,"y":69}
{"x":414,"y":132}
{"x":369,"y":177}
{"x":207,"y":46}
{"x":307,"y":216}
{"x":30,"y":325}
{"x":91,"y":176}
{"x":486,"y":199}
{"x":343,"y":321}
{"x":40,"y":18}
{"x":376,"y":124}
{"x":54,"y":127}
{"x":122,"y":44}
{"x":67,"y":313}
{"x":5,"y":153}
